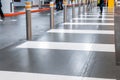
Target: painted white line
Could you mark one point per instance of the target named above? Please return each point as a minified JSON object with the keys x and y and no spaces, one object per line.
{"x":81,"y":31}
{"x":102,"y":13}
{"x":9,"y":75}
{"x":69,"y":46}
{"x":88,"y":23}
{"x":93,"y":19}
{"x":105,"y":7}
{"x":1,"y":20}
{"x":13,"y":20}
{"x":98,"y":15}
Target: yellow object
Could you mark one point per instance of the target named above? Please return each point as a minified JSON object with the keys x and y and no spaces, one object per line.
{"x":98,"y":1}
{"x":111,"y":10}
{"x":65,"y":2}
{"x":51,"y":5}
{"x":84,"y":1}
{"x":110,"y":3}
{"x":73,"y":0}
{"x":28,"y":5}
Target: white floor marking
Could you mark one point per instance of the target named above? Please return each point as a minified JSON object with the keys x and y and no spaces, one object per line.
{"x":9,"y":75}
{"x":94,"y":16}
{"x":13,"y":20}
{"x":106,"y":8}
{"x":93,"y":19}
{"x":102,"y":13}
{"x":10,"y":20}
{"x":98,"y":15}
{"x":1,"y":20}
{"x":81,"y":31}
{"x":88,"y":23}
{"x":68,"y":46}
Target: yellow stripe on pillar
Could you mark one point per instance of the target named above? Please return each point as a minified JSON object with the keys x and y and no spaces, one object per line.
{"x":111,"y":6}
{"x":110,"y":3}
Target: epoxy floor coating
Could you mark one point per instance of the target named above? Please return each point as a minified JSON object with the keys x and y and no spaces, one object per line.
{"x":68,"y":55}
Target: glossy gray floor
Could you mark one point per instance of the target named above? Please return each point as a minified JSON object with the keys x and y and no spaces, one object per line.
{"x":70,"y":50}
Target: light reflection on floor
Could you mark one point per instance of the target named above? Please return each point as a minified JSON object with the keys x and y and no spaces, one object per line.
{"x":8,"y":75}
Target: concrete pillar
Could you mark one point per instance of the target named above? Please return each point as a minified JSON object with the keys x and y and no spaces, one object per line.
{"x":6,"y":5}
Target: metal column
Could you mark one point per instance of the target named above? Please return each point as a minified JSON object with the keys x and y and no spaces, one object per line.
{"x":73,"y":9}
{"x":51,"y":15}
{"x":28,"y":21}
{"x":84,"y":6}
{"x":65,"y":11}
{"x":79,"y":8}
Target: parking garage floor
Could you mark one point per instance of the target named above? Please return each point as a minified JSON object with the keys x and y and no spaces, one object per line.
{"x":83,"y":48}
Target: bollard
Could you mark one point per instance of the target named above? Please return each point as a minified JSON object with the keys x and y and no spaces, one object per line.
{"x":51,"y":15}
{"x":28,"y":21}
{"x":73,"y":9}
{"x":79,"y":8}
{"x":40,"y":4}
{"x":106,"y":3}
{"x":93,"y":3}
{"x":87,"y":5}
{"x":90,"y":5}
{"x":65,"y":11}
{"x":84,"y":6}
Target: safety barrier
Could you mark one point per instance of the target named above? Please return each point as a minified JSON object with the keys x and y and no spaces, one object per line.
{"x":29,"y":11}
{"x":37,"y":10}
{"x":23,"y":12}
